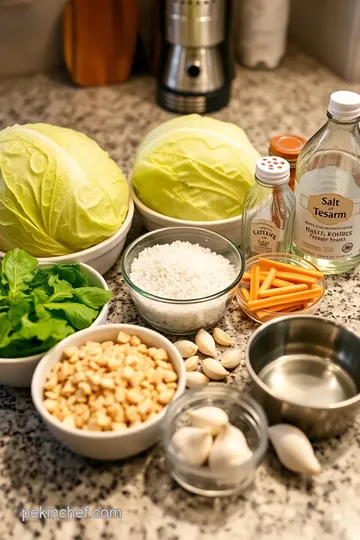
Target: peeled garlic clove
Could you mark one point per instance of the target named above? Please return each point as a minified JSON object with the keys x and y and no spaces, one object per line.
{"x":205,"y":342}
{"x":213,"y":369}
{"x":231,"y":359}
{"x":186,"y":348}
{"x":209,"y":417}
{"x":221,"y":337}
{"x":230,"y":449}
{"x":195,"y":379}
{"x":294,"y":449}
{"x":193,"y":443}
{"x":191,"y":363}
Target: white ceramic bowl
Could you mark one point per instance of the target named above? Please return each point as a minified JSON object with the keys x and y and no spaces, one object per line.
{"x":18,"y":372}
{"x":108,"y":445}
{"x":100,"y":257}
{"x":230,"y":228}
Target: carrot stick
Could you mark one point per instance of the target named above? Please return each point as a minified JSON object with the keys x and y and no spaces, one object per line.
{"x":284,"y":290}
{"x":262,"y":313}
{"x":297,"y":278}
{"x":266,"y":284}
{"x":276,"y":283}
{"x":285,"y":307}
{"x":255,"y":282}
{"x":267,"y":263}
{"x":301,"y":296}
{"x":245,"y":294}
{"x":280,"y":283}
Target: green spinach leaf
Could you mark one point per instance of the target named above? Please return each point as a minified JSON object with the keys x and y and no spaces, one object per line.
{"x":66,"y":272}
{"x":5,"y":328}
{"x":72,"y":273}
{"x":25,"y":347}
{"x":57,"y":329}
{"x":78,"y":315}
{"x":41,"y":277}
{"x":4,"y":301}
{"x":18,"y":269}
{"x":19,"y":305}
{"x":61,"y":289}
{"x":39,"y":296}
{"x":94,"y":297}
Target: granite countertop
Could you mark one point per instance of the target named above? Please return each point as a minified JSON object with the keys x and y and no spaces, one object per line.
{"x":35,"y":470}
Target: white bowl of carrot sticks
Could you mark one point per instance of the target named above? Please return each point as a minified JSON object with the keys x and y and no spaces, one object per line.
{"x":277,"y":284}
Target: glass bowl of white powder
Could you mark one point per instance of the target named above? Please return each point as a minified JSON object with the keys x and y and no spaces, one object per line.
{"x":182,"y":279}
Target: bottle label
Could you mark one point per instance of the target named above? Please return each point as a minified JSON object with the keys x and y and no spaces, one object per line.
{"x":264,"y":236}
{"x":327,"y":222}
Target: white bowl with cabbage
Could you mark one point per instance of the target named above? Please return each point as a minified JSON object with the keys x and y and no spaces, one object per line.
{"x":194,"y":171}
{"x":62,"y":198}
{"x":41,"y":305}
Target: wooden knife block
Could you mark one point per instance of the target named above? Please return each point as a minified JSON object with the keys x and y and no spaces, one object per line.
{"x":100,"y":40}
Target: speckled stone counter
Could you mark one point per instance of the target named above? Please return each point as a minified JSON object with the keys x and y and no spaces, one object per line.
{"x":35,"y":470}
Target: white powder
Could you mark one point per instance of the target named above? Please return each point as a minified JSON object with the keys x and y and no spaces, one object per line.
{"x":181,"y":271}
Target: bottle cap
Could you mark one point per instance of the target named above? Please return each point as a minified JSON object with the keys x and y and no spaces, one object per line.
{"x":287,"y":146}
{"x":272,"y":170}
{"x":344,"y":105}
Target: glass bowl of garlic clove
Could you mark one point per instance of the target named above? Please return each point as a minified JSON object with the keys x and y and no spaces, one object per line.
{"x":214,"y":439}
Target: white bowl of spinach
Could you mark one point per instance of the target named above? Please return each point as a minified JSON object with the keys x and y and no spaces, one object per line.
{"x":42,"y":305}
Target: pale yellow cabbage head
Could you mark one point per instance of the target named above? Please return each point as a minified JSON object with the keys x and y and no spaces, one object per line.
{"x":195,"y":168}
{"x":59,"y":191}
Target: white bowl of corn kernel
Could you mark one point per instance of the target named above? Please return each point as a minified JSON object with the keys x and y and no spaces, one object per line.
{"x":103,"y":391}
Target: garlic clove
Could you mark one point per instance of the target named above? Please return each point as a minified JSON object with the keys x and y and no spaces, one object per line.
{"x":205,"y":342}
{"x":195,"y":379}
{"x":213,"y":369}
{"x":186,"y":348}
{"x":231,"y":359}
{"x":221,"y":337}
{"x":191,"y":363}
{"x":230,"y":449}
{"x":294,"y":449}
{"x":209,"y":417}
{"x":194,"y":444}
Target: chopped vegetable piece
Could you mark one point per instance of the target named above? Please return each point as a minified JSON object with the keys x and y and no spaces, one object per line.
{"x":255,"y":282}
{"x":282,"y":307}
{"x":301,"y":296}
{"x":276,"y":283}
{"x":261,"y":314}
{"x":297,"y":278}
{"x":267,"y":263}
{"x":245,"y":293}
{"x":284,"y":290}
{"x":266,"y":284}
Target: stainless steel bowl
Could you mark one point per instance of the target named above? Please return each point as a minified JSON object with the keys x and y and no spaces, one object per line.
{"x":306,"y":371}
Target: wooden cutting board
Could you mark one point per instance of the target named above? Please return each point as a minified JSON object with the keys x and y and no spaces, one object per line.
{"x":100,"y":40}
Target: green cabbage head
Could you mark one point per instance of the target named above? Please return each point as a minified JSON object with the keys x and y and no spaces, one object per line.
{"x":59,"y":191}
{"x":195,"y":168}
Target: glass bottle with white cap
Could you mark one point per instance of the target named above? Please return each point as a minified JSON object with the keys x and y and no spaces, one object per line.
{"x":269,"y":208}
{"x":327,"y":190}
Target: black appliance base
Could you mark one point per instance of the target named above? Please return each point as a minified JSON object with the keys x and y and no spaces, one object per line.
{"x":185,"y":103}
